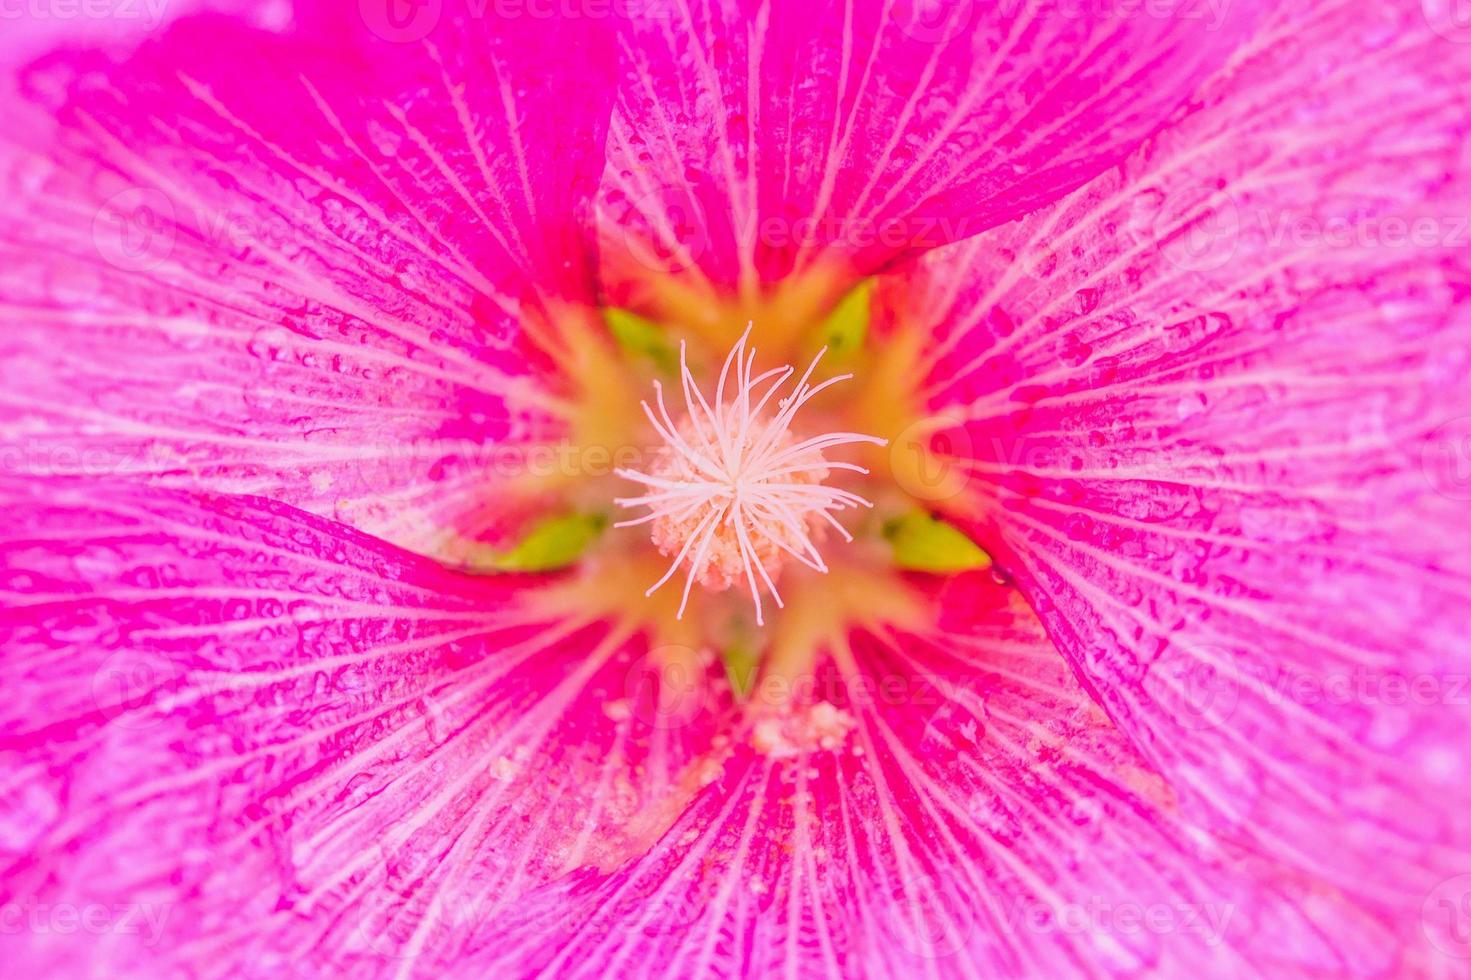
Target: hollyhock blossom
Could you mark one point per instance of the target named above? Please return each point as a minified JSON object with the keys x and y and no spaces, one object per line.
{"x":868,"y":489}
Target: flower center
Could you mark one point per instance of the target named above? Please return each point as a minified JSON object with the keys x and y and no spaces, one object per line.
{"x":734,"y":493}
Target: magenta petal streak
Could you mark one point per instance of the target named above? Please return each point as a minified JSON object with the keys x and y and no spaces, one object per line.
{"x":859,"y":132}
{"x":1202,"y":396}
{"x":298,"y":264}
{"x":260,"y":725}
{"x":1190,"y":288}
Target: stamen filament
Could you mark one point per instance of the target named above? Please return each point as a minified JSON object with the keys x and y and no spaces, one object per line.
{"x":732,"y":494}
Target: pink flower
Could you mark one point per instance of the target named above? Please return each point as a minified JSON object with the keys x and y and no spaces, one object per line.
{"x":325,"y":333}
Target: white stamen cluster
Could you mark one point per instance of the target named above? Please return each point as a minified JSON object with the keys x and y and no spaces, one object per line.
{"x":733,"y":493}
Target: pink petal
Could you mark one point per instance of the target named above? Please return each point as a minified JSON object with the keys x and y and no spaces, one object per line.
{"x":299,"y":263}
{"x":755,"y":140}
{"x":33,"y":29}
{"x":276,"y":744}
{"x":980,"y":818}
{"x":1216,"y":407}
